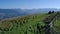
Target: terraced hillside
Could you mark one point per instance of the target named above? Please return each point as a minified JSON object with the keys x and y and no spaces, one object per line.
{"x":22,"y":25}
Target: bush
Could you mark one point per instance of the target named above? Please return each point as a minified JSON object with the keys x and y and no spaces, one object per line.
{"x":49,"y":12}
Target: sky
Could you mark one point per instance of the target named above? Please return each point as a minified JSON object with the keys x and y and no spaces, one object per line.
{"x":29,"y":4}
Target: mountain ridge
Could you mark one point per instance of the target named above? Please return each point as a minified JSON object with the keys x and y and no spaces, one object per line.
{"x":9,"y":13}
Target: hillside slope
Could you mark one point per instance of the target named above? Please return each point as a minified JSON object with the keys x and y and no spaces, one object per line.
{"x":57,"y":24}
{"x":21,"y":25}
{"x":30,"y":24}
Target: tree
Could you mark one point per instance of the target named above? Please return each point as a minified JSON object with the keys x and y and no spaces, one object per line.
{"x":49,"y":12}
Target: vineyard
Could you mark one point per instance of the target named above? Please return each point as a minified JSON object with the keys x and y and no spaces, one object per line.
{"x":30,"y":24}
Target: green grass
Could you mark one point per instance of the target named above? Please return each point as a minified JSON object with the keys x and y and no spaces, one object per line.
{"x":57,"y":25}
{"x":23,"y":24}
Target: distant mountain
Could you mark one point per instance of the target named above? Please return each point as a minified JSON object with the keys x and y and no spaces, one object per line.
{"x":43,"y":10}
{"x":8,"y":13}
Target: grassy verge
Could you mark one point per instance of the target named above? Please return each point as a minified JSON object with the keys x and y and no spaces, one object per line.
{"x":57,"y":25}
